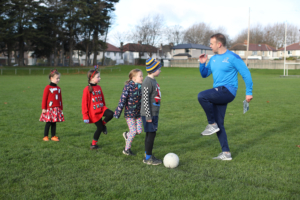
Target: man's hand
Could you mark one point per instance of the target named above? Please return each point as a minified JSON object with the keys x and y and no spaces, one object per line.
{"x":203,"y":58}
{"x":249,"y":98}
{"x":150,"y":120}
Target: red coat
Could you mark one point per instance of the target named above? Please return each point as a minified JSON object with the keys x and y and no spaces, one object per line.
{"x":52,"y":97}
{"x":93,"y":104}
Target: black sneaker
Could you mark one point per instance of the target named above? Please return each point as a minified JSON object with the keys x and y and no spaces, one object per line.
{"x":94,"y":147}
{"x":128,"y":152}
{"x":152,"y":161}
{"x":104,"y":130}
{"x":125,"y":135}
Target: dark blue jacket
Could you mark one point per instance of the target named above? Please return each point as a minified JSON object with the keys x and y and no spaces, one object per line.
{"x":131,"y":100}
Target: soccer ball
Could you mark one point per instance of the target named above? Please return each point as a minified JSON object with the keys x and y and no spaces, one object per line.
{"x":171,"y":160}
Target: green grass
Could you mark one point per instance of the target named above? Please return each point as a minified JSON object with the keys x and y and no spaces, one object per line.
{"x":265,"y":165}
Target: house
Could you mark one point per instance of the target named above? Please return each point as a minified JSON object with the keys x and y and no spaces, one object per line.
{"x":256,"y":51}
{"x":186,"y":51}
{"x":111,"y":53}
{"x":292,"y":50}
{"x":132,"y":51}
{"x":165,"y":51}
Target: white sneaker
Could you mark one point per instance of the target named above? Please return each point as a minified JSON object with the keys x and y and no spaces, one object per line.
{"x":210,"y":129}
{"x":223,"y":156}
{"x":125,"y":135}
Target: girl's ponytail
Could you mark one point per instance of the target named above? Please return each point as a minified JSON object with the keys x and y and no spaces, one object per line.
{"x":91,"y":75}
{"x":132,"y":74}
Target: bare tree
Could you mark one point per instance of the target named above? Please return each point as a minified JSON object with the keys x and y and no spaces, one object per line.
{"x":223,"y":30}
{"x":174,"y":34}
{"x":123,"y":36}
{"x":149,"y":30}
{"x":271,"y":34}
{"x":198,"y":34}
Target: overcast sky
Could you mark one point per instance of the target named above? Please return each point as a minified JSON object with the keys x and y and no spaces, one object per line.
{"x":231,"y":14}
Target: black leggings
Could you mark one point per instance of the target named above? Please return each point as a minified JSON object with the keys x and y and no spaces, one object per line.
{"x":149,"y":141}
{"x":108,"y":115}
{"x":47,"y":127}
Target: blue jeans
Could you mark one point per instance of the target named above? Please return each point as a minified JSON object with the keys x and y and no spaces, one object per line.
{"x":214,"y":103}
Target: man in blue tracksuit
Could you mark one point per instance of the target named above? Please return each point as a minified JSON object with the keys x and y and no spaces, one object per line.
{"x":224,"y":66}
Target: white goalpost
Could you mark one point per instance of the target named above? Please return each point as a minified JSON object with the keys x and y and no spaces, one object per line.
{"x":285,"y":64}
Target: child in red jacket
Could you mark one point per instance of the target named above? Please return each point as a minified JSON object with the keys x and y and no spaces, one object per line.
{"x":52,"y":106}
{"x":94,"y":107}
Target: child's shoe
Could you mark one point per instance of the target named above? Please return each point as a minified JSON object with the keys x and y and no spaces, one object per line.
{"x":128,"y":152}
{"x":94,"y":147}
{"x":152,"y":161}
{"x":104,"y":130}
{"x":55,"y":138}
{"x":46,"y":138}
{"x":125,"y":135}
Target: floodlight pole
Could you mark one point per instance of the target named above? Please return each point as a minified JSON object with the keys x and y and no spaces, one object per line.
{"x":284,"y":49}
{"x":248,"y":39}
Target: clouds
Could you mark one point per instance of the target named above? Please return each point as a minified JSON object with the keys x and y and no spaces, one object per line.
{"x":230,"y":14}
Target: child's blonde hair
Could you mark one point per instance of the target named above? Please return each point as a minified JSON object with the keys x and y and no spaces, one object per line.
{"x":91,"y":75}
{"x":53,"y":72}
{"x":132,"y":74}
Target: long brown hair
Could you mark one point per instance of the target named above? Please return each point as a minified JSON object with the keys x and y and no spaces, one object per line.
{"x":132,"y":74}
{"x":91,"y":75}
{"x":53,"y":72}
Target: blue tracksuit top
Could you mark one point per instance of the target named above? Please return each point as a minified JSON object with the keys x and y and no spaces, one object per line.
{"x":224,"y":68}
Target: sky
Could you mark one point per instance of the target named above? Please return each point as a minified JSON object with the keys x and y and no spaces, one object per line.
{"x":233,"y":15}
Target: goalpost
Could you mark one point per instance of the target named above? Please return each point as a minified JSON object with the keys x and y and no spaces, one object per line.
{"x":285,"y":65}
{"x":286,"y":68}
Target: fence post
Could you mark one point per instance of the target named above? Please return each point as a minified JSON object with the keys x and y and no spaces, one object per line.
{"x":110,"y":69}
{"x":44,"y":71}
{"x":29,"y":71}
{"x":78,"y":70}
{"x":1,"y":71}
{"x":15,"y":71}
{"x":67,"y":71}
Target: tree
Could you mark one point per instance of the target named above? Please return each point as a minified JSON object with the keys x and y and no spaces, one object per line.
{"x":20,"y":14}
{"x":271,"y":34}
{"x":7,"y":32}
{"x":97,"y":20}
{"x":198,"y":34}
{"x":174,"y":34}
{"x":72,"y":24}
{"x":149,"y":30}
{"x":48,"y":32}
{"x":121,"y":36}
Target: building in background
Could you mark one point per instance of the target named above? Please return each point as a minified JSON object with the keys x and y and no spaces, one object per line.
{"x":292,"y":50}
{"x":187,"y":51}
{"x":256,"y":51}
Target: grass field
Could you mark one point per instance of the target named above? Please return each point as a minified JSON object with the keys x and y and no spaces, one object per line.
{"x":265,"y":165}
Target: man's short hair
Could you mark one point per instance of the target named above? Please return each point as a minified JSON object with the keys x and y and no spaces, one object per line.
{"x":220,"y":37}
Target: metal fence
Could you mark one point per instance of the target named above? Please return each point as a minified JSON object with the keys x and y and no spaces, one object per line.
{"x":36,"y":71}
{"x":252,"y":64}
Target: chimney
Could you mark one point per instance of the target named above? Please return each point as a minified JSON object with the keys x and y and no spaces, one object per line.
{"x":139,"y":42}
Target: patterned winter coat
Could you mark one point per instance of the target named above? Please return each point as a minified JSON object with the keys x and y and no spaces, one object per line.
{"x":131,"y":100}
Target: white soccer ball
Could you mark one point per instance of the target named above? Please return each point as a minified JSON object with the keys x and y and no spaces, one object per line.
{"x":171,"y":160}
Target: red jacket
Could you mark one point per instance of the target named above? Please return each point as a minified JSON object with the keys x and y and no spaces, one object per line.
{"x":52,"y":97}
{"x":93,"y":104}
